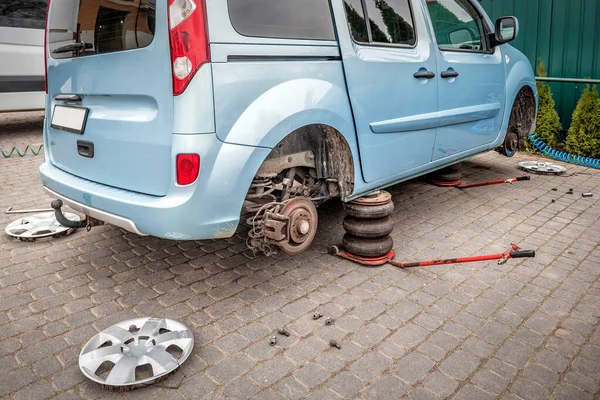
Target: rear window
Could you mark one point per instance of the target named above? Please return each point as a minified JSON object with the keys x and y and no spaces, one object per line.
{"x":86,"y":27}
{"x":23,"y":13}
{"x":288,"y":19}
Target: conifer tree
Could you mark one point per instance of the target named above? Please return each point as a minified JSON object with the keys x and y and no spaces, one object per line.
{"x":583,"y":138}
{"x":548,"y":124}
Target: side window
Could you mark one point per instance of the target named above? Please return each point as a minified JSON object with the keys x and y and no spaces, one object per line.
{"x":23,"y":13}
{"x":356,"y":20}
{"x":457,"y":25}
{"x":289,"y":19}
{"x":390,"y":21}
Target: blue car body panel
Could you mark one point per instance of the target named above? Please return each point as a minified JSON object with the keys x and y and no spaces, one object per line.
{"x":250,"y":97}
{"x":395,"y":114}
{"x":210,"y":208}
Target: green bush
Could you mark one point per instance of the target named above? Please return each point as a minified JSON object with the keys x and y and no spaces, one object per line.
{"x":583,"y":138}
{"x":548,"y":124}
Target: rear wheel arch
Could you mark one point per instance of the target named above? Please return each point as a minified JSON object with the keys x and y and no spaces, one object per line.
{"x":333,"y":155}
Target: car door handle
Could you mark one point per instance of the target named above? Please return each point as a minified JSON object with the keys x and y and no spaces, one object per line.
{"x":424,"y":75}
{"x":449,"y":74}
{"x":68,"y":97}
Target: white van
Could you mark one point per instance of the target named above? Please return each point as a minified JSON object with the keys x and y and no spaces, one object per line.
{"x":22,"y":54}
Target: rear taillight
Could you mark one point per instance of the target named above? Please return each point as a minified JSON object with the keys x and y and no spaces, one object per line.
{"x":46,"y":48}
{"x":189,"y":41}
{"x":188,"y":168}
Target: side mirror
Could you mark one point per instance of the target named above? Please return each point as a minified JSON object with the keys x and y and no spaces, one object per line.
{"x":507,"y":29}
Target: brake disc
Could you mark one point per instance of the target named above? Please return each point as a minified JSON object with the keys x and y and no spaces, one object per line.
{"x":136,"y":353}
{"x":38,"y":226}
{"x":543,"y":168}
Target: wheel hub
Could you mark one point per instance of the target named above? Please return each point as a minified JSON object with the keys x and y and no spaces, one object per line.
{"x":303,"y":221}
{"x":303,"y":227}
{"x":512,"y":142}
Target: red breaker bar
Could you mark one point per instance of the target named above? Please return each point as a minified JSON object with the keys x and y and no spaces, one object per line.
{"x":498,"y":182}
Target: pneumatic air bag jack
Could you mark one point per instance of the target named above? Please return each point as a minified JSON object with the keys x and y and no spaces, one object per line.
{"x":87,"y":223}
{"x":514,"y":252}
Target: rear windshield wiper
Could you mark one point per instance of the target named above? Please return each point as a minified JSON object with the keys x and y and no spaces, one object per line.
{"x":73,"y":47}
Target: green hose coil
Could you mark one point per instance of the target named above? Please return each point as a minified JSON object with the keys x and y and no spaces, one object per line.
{"x":17,"y":151}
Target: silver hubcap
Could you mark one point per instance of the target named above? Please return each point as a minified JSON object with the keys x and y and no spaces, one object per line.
{"x":38,"y":226}
{"x":136,"y":352}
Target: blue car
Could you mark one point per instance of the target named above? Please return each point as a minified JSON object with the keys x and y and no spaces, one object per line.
{"x":182,"y":119}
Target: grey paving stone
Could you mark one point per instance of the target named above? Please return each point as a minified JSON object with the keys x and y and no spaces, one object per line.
{"x":569,"y":392}
{"x":197,"y":386}
{"x":444,"y":340}
{"x":422,"y":393}
{"x":369,"y":366}
{"x":370,"y":335}
{"x":498,"y":367}
{"x":312,"y":375}
{"x":230,"y":368}
{"x":460,"y":365}
{"x":586,"y":367}
{"x":490,"y":382}
{"x":271,"y":371}
{"x":384,"y":388}
{"x":413,"y":367}
{"x":529,"y":389}
{"x":542,"y":375}
{"x":232,"y":343}
{"x":553,"y":361}
{"x":292,"y":389}
{"x":16,"y":380}
{"x":346,"y":384}
{"x":541,"y":323}
{"x":515,"y":353}
{"x":441,"y":384}
{"x":41,"y":350}
{"x":306,"y":349}
{"x":470,"y":392}
{"x":478,"y":347}
{"x":582,"y":382}
{"x":493,"y":332}
{"x":409,"y":336}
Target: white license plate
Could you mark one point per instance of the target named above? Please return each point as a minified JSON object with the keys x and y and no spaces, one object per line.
{"x":69,"y":119}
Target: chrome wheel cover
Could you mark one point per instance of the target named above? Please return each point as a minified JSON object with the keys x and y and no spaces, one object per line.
{"x":136,"y":343}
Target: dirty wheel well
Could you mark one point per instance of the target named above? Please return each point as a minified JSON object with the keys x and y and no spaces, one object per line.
{"x":522,"y":115}
{"x":333,"y":157}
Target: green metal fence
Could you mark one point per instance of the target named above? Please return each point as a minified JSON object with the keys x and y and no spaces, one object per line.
{"x":565,"y":34}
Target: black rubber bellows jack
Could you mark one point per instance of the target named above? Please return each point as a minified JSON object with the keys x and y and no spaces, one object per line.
{"x":368,"y":225}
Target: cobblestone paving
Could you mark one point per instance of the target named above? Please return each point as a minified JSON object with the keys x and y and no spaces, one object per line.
{"x":528,"y":329}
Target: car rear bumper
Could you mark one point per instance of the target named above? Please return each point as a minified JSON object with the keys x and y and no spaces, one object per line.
{"x":107,"y":217}
{"x":210,"y":208}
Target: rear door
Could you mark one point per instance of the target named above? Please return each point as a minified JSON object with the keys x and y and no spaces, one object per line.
{"x":390,"y":71}
{"x":112,"y":58}
{"x":471,"y":79}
